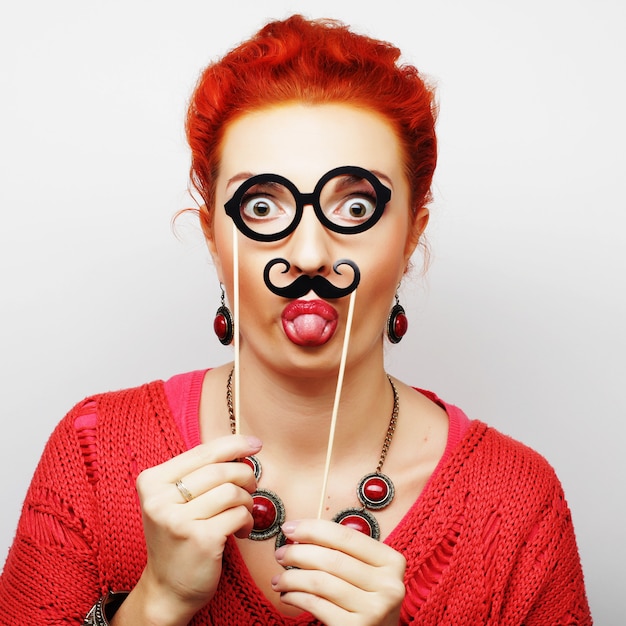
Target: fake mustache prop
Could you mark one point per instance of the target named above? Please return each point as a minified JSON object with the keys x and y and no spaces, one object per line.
{"x":303,"y":284}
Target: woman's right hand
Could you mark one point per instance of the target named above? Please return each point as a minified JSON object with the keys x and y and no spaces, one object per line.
{"x":185,"y":540}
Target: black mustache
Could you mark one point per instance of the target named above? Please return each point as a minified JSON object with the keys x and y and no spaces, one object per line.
{"x":303,"y":284}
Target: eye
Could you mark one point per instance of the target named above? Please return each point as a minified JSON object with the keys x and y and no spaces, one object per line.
{"x":349,"y":201}
{"x":258,"y":208}
{"x":358,"y":207}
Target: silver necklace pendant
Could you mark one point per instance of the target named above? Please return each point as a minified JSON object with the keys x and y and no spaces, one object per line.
{"x":255,"y":464}
{"x":375,"y":491}
{"x":268,"y":513}
{"x":360,"y":520}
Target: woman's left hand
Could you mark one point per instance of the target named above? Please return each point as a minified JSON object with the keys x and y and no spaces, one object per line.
{"x":343,"y":577}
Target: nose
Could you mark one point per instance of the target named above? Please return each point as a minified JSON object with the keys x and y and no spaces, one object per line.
{"x":309,"y":246}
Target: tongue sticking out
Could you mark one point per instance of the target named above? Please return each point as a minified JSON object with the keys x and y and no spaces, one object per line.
{"x":309,"y":322}
{"x":310,"y":328}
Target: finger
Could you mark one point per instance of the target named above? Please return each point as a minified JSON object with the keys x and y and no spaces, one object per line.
{"x":324,"y":610}
{"x":373,"y":613}
{"x":208,"y":477}
{"x":220,"y":512}
{"x":207,"y":537}
{"x":220,"y":450}
{"x":341,"y":566}
{"x":344,"y":539}
{"x":335,"y":601}
{"x":295,"y":585}
{"x":387,"y":577}
{"x":236,"y":521}
{"x":232,"y":503}
{"x":220,"y":499}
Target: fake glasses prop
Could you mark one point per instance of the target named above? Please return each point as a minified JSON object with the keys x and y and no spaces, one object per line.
{"x":347,"y":200}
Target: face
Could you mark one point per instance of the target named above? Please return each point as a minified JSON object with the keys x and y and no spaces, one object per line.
{"x":307,"y":148}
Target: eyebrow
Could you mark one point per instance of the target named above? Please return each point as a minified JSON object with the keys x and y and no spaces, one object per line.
{"x":243,"y":176}
{"x":382,"y":176}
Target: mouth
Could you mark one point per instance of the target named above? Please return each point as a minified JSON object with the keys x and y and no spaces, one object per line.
{"x":309,"y":322}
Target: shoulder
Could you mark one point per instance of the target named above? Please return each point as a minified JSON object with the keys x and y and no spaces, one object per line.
{"x":486,"y":451}
{"x":116,"y":406}
{"x":97,"y":432}
{"x":479,"y":447}
{"x":495,"y":470}
{"x":135,"y":423}
{"x":492,"y":485}
{"x":502,"y":452}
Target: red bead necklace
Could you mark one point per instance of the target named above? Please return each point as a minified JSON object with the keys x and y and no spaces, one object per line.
{"x":374,"y":491}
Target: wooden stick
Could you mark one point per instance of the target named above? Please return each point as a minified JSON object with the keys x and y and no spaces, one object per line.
{"x":236,"y":406}
{"x":333,"y":421}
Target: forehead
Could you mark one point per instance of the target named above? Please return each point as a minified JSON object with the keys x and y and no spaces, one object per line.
{"x":303,"y":142}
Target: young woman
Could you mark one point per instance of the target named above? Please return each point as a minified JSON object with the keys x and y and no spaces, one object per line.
{"x":299,"y":484}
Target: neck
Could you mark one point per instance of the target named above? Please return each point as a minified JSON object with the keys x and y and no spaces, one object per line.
{"x":292,"y":415}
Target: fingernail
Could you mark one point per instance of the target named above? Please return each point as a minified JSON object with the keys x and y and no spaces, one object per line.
{"x":274,"y":580}
{"x":289,"y":527}
{"x":254,"y":442}
{"x":280,"y":553}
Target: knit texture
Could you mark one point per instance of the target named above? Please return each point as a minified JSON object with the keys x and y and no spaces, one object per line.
{"x":489,"y":541}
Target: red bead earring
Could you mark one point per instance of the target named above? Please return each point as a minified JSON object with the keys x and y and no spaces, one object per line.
{"x":223,"y":322}
{"x":397,"y":322}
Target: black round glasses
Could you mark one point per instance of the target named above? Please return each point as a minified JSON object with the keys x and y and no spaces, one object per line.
{"x":268,"y":207}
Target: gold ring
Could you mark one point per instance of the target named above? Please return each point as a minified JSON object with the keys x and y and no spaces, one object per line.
{"x":184,"y":492}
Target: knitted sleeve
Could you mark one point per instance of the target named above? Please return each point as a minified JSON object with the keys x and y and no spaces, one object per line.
{"x":545,"y":583}
{"x":549,"y":565}
{"x":492,"y":542}
{"x":51,"y":570}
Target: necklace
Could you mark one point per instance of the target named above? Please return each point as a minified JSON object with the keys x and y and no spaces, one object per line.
{"x":375,"y":490}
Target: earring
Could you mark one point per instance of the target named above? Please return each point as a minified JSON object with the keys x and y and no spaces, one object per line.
{"x":397,"y":322}
{"x":223,"y":322}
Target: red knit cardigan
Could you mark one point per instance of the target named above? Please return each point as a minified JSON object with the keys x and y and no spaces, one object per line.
{"x":489,"y":541}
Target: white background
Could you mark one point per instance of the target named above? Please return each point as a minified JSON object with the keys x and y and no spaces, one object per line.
{"x":520,"y":319}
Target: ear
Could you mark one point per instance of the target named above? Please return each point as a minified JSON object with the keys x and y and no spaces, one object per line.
{"x":417,"y":225}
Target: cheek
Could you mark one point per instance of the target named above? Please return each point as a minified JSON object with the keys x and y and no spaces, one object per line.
{"x":381,"y":290}
{"x":375,"y":296}
{"x":254,"y":296}
{"x":385,"y":257}
{"x":228,"y":242}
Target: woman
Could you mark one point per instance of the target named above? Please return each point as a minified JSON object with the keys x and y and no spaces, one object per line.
{"x":313,"y":152}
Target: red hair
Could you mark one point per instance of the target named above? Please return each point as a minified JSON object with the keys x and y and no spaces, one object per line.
{"x":316,"y":62}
